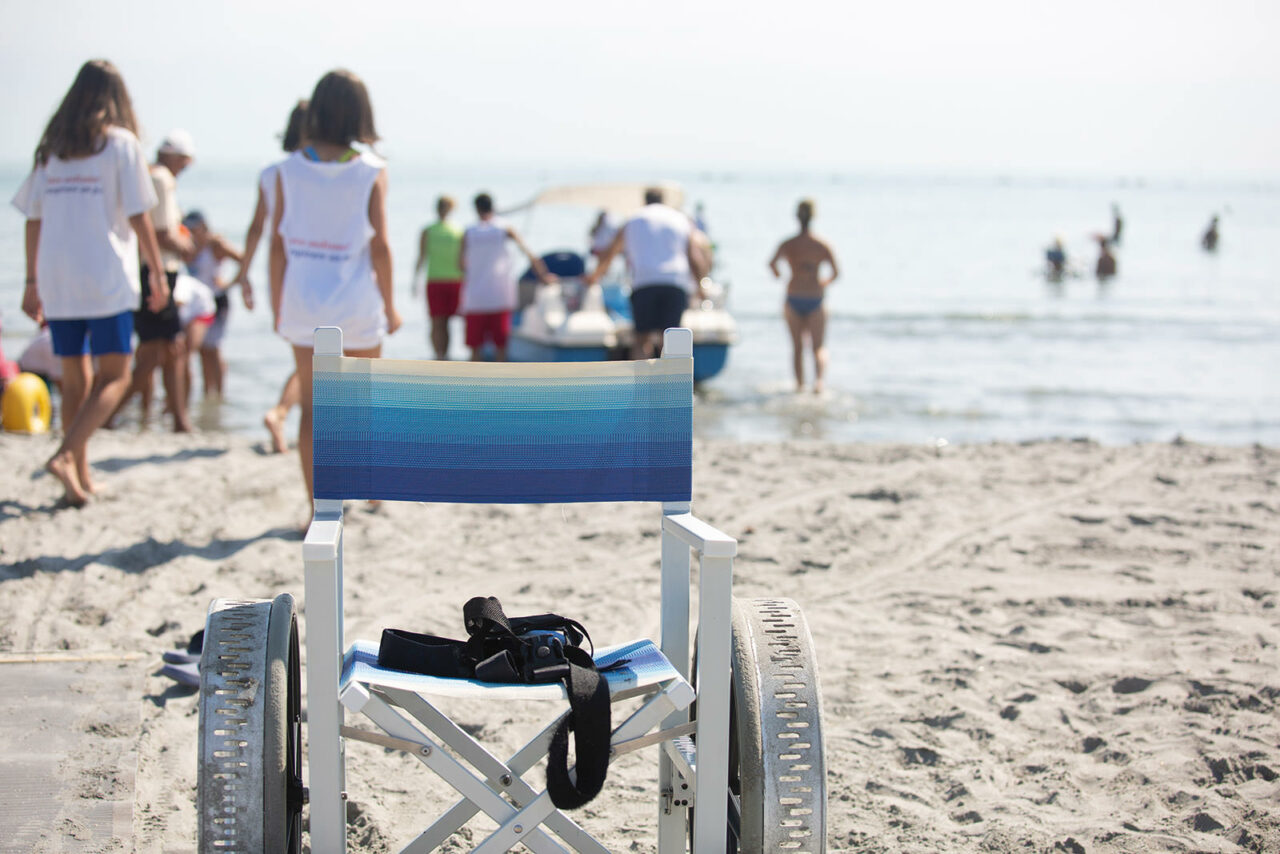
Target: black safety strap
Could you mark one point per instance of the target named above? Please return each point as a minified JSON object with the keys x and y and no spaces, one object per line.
{"x":519,"y":649}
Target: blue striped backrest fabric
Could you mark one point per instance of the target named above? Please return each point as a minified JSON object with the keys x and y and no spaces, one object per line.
{"x":503,"y":433}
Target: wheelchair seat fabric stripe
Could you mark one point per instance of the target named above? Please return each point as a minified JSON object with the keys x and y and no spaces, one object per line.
{"x":612,"y":431}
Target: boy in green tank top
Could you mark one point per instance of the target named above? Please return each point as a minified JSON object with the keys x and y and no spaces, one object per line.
{"x":438,"y":251}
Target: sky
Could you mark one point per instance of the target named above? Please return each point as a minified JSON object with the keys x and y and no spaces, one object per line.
{"x":1114,"y":88}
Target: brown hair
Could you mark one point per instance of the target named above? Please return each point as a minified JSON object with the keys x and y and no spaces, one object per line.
{"x":96,"y":100}
{"x":444,"y":204}
{"x":292,"y":138}
{"x":804,"y":212}
{"x":340,"y":112}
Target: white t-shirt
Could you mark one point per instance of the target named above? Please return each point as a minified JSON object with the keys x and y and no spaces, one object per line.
{"x":328,"y":278}
{"x":657,"y":247}
{"x":166,"y":216}
{"x":87,"y":261}
{"x":267,"y":185}
{"x":488,"y":282}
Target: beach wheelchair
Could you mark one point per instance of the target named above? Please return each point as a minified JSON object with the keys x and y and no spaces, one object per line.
{"x":738,"y":734}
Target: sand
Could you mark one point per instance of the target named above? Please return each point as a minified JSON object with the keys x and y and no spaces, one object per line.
{"x":1054,"y":646}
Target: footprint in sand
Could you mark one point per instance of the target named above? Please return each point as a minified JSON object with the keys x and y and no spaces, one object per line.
{"x":1131,"y":685}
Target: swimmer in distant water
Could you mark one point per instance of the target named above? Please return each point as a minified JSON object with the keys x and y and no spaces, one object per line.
{"x":1210,"y":239}
{"x":804,"y":310}
{"x":1118,"y":224}
{"x":1056,"y":257}
{"x":1106,"y":261}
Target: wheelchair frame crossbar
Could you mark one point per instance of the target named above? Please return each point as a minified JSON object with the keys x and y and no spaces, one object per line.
{"x":498,"y":788}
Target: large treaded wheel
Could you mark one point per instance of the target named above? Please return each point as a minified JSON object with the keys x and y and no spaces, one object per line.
{"x":777,"y":798}
{"x":777,"y":765}
{"x":249,"y":791}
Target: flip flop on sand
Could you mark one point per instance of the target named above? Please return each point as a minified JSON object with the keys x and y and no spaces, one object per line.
{"x":192,"y":653}
{"x":184,"y":674}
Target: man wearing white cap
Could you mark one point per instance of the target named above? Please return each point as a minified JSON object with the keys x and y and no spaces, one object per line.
{"x":159,"y":344}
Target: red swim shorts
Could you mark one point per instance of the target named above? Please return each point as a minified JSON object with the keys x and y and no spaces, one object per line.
{"x":495,"y":326}
{"x":442,"y":298}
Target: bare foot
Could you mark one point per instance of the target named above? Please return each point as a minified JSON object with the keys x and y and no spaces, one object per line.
{"x":275,"y":425}
{"x":87,"y":483}
{"x":63,"y":467}
{"x":817,"y":388}
{"x":182,"y":425}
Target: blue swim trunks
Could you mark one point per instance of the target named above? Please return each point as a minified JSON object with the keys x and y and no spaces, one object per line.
{"x":96,"y":335}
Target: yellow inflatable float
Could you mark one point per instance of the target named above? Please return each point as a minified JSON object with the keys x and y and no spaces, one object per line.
{"x":25,"y":405}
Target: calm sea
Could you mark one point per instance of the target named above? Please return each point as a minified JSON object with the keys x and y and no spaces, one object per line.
{"x":942,"y":326}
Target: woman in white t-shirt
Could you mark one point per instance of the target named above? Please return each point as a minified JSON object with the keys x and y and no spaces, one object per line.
{"x":86,"y":202}
{"x":330,"y":256}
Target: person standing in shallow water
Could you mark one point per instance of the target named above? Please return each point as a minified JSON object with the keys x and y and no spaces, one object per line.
{"x":439,"y":249}
{"x":1209,"y":240}
{"x":87,"y":203}
{"x":160,"y":340}
{"x":805,"y":310}
{"x":1106,"y":266}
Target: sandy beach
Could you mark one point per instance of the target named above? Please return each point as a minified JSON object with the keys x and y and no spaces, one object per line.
{"x":1051,"y":646}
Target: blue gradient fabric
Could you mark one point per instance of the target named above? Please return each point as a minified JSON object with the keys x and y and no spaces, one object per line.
{"x":503,"y":433}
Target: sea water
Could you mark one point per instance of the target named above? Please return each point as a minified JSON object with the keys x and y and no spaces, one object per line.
{"x":941,"y":326}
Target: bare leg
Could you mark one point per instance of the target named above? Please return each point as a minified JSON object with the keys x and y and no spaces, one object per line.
{"x":172,"y":355}
{"x":796,"y":326}
{"x":440,"y":337}
{"x":276,"y":415}
{"x":302,"y":358}
{"x":219,"y":372}
{"x":77,"y":377}
{"x":148,"y":360}
{"x":817,"y":340}
{"x":194,"y":340}
{"x":104,"y":396}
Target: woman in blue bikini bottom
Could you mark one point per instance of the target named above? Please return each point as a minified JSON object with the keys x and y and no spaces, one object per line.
{"x":804,"y":306}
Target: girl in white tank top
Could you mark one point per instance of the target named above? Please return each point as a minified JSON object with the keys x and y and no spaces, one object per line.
{"x":330,"y":257}
{"x":329,"y":278}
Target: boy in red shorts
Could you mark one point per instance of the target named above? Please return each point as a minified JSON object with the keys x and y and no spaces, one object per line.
{"x":488,"y":280}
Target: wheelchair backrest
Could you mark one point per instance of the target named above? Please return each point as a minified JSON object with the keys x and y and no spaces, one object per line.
{"x":511,"y":433}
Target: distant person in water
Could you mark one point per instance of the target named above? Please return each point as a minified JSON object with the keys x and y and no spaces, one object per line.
{"x":667,"y":257}
{"x":489,"y":281}
{"x":438,"y":251}
{"x":1117,"y":224}
{"x":1056,"y":257}
{"x":160,"y":341}
{"x":804,"y":310}
{"x":212,"y":250}
{"x":1106,"y":267}
{"x":602,"y":233}
{"x":1210,"y":238}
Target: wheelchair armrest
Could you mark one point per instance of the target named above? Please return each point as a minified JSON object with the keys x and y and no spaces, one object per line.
{"x":701,"y":536}
{"x":323,"y":537}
